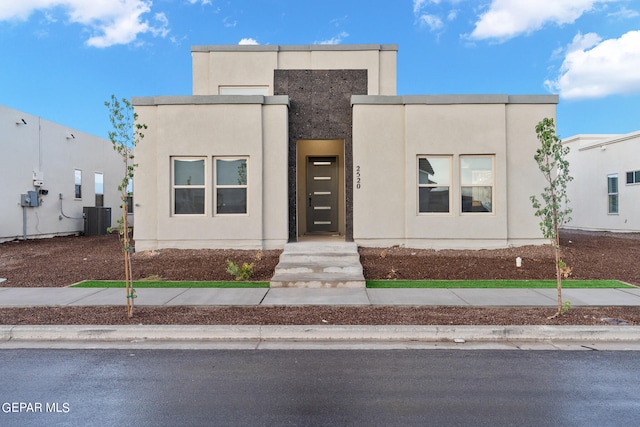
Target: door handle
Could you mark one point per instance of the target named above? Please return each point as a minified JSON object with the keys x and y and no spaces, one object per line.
{"x":309,"y":199}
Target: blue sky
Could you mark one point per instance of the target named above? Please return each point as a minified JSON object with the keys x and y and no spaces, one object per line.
{"x":61,"y":59}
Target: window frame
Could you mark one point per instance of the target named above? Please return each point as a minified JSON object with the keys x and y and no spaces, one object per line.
{"x":463,"y":185}
{"x":98,"y":190}
{"x":77,"y":176}
{"x":613,"y":195}
{"x":216,"y":186}
{"x":449,"y":157}
{"x":175,"y":187}
{"x":635,"y":177}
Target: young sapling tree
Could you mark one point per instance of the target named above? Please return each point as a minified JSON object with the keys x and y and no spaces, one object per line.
{"x":124,"y":137}
{"x":553,"y":209}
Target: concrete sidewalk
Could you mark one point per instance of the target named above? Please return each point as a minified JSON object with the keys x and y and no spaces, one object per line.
{"x":30,"y":297}
{"x":320,"y":336}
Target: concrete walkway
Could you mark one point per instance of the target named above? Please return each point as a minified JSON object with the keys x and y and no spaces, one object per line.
{"x":610,"y":337}
{"x":29,"y":297}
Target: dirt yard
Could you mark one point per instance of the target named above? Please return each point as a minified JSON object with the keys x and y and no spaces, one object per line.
{"x":62,"y":261}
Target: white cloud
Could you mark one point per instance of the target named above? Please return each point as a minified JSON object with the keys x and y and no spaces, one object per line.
{"x":432,"y":21}
{"x":418,"y":5}
{"x":432,"y":14}
{"x":334,"y":40}
{"x":111,"y":21}
{"x":248,"y":41}
{"x":581,"y":42}
{"x":624,"y":13}
{"x":593,"y":68}
{"x":506,"y":19}
{"x":229,"y":22}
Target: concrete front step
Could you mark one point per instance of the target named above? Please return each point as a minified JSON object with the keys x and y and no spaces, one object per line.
{"x":311,"y":266}
{"x":322,"y":281}
{"x":319,"y":265}
{"x":319,"y":257}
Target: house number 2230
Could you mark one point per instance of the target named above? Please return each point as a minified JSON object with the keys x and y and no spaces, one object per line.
{"x":358,"y":182}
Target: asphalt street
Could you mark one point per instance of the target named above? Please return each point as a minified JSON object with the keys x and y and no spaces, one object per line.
{"x":323,"y":387}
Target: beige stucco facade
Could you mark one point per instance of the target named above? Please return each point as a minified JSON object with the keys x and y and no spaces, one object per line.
{"x":216,"y":67}
{"x":203,"y":128}
{"x":605,"y":192}
{"x":273,"y":121}
{"x":46,"y":159}
{"x":391,"y":133}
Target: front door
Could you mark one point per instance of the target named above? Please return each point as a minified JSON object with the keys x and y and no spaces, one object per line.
{"x":322,"y":194}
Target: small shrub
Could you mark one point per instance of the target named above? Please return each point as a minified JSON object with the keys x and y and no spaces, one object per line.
{"x":240,"y":273}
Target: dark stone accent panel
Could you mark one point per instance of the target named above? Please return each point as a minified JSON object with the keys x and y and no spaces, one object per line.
{"x":320,"y":108}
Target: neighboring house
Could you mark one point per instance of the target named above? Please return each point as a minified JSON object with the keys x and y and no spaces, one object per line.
{"x":605,"y":191}
{"x":50,"y":173}
{"x":282,"y":142}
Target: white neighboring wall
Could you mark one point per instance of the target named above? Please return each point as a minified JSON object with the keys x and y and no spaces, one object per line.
{"x":32,"y":147}
{"x":595,"y":161}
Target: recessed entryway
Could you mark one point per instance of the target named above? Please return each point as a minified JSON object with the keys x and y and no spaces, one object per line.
{"x":322,"y":194}
{"x":320,"y":187}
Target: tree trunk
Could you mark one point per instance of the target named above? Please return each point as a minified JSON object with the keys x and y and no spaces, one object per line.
{"x":127,"y":271}
{"x":558,"y":270}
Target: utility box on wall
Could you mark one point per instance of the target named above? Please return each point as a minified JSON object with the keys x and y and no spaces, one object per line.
{"x":30,"y":199}
{"x":97,"y":220}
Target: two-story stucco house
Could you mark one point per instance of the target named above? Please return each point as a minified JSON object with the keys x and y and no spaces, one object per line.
{"x":281,"y":142}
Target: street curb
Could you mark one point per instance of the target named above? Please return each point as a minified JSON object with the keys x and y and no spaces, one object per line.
{"x":311,"y":333}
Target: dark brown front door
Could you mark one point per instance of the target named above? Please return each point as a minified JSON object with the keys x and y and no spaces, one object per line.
{"x":322,"y":194}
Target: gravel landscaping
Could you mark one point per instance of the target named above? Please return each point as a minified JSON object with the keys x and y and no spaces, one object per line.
{"x":62,"y":261}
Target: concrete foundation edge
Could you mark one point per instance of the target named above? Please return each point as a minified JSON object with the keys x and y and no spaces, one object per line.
{"x":98,"y":333}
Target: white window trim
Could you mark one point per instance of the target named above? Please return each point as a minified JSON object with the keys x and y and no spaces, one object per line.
{"x":450,"y":185}
{"x":216,"y":186}
{"x":95,"y":187}
{"x":634,"y":180}
{"x":493,"y":184}
{"x":174,"y":186}
{"x":617,"y":194}
{"x":74,"y":184}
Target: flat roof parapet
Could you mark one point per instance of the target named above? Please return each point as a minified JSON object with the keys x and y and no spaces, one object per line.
{"x":293,"y":48}
{"x":210,"y":99}
{"x":453,"y":99}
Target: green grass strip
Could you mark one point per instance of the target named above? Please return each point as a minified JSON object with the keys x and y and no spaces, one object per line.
{"x":377,"y":284}
{"x":155,"y":284}
{"x":496,"y":284}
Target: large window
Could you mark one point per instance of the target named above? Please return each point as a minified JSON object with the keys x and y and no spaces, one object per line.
{"x":612,"y":191}
{"x":434,"y":181}
{"x":188,"y":185}
{"x":78,"y":183}
{"x":230,"y":185}
{"x":476,"y":183}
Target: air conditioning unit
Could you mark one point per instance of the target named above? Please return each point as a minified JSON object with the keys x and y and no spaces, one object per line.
{"x":97,"y":220}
